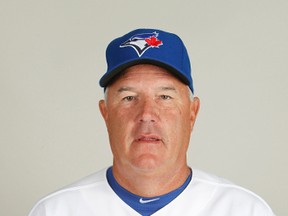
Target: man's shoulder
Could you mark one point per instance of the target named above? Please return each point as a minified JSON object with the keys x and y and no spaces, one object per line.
{"x":95,"y":178}
{"x":209,"y":178}
{"x":223,"y":190}
{"x":75,"y":192}
{"x":221,"y":185}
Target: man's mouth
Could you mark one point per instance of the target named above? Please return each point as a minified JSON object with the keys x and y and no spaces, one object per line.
{"x":148,"y":138}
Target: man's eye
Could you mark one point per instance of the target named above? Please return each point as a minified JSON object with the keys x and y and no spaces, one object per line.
{"x":129,"y":98}
{"x":165,"y":97}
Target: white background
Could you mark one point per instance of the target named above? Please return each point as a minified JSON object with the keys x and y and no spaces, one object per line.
{"x":52,"y":54}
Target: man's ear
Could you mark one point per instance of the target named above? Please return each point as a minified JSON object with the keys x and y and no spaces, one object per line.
{"x":195,"y":106}
{"x":103,"y":109}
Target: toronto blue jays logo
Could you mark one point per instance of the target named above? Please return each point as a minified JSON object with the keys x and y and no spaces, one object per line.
{"x":142,"y":42}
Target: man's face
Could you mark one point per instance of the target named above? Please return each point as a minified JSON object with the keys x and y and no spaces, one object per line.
{"x":149,"y":117}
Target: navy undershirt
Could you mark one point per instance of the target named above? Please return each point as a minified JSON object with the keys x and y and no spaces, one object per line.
{"x":144,"y":205}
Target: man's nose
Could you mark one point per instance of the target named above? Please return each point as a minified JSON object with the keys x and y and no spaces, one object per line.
{"x":148,"y":111}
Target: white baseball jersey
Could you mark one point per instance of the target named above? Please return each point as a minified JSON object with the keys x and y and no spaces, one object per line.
{"x":206,"y":195}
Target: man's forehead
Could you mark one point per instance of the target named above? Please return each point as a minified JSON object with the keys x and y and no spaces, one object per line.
{"x":147,"y":76}
{"x":147,"y":79}
{"x":158,"y":88}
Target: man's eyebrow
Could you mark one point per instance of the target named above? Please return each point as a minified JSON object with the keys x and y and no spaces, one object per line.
{"x":161,"y":88}
{"x":167,"y":88}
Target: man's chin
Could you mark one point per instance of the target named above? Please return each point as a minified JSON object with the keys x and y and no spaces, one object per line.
{"x":147,"y":163}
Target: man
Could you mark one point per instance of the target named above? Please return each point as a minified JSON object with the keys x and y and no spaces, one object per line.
{"x":149,"y":111}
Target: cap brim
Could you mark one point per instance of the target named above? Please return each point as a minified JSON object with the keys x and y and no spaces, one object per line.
{"x":114,"y":73}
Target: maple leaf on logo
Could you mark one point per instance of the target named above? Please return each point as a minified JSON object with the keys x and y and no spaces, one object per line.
{"x":153,"y":41}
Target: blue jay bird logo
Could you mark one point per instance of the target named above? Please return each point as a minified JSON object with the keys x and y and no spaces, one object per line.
{"x":142,"y":42}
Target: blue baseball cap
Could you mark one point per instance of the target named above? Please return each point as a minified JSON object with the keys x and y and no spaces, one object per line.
{"x":148,"y":46}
